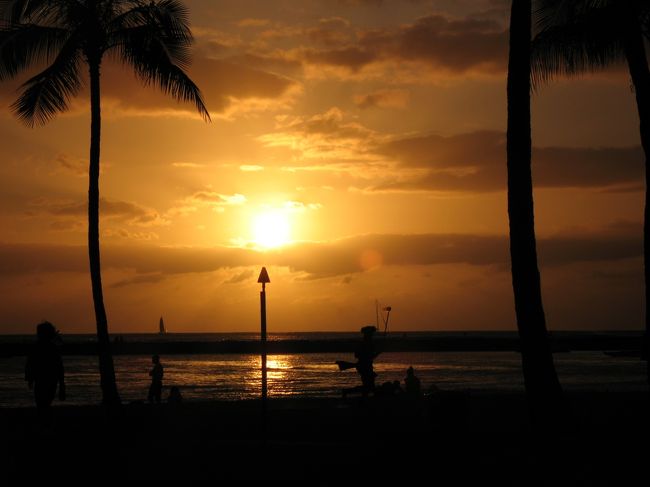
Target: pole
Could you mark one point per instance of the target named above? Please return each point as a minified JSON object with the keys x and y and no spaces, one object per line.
{"x":263,"y":279}
{"x":263,"y":335}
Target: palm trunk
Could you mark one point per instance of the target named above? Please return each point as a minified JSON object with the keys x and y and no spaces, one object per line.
{"x":638,"y":67}
{"x":543,"y":390}
{"x":110,"y":395}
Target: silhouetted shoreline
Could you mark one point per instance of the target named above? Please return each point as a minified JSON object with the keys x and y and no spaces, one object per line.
{"x":464,"y":439}
{"x":626,"y":343}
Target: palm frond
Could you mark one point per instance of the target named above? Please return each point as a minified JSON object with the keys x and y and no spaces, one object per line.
{"x":583,"y":40}
{"x":22,"y":45}
{"x":163,"y":23}
{"x":153,"y":66}
{"x":20,"y":11}
{"x":49,"y":91}
{"x":155,"y":39}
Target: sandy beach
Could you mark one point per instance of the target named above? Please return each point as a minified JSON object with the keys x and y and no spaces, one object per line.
{"x":454,"y":439}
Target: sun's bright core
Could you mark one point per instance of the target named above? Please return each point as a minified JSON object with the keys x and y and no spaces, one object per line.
{"x":271,"y":229}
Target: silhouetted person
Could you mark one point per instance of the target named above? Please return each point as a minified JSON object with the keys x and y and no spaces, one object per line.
{"x":155,"y":390}
{"x":44,"y":370}
{"x":365,"y":355}
{"x":389,"y":389}
{"x":175,"y":396}
{"x":412,"y":384}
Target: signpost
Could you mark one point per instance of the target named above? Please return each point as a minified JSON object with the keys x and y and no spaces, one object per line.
{"x":263,"y":279}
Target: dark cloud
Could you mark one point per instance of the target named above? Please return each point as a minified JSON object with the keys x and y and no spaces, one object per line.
{"x":329,"y":259}
{"x":383,"y":99}
{"x":139,"y":279}
{"x":330,"y":31}
{"x":132,"y":213}
{"x":241,"y":277}
{"x":477,"y":162}
{"x":351,"y":57}
{"x":75,"y":166}
{"x":220,"y":81}
{"x":456,"y":46}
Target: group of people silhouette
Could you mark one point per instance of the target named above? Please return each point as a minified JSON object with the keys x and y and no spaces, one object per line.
{"x":44,"y":372}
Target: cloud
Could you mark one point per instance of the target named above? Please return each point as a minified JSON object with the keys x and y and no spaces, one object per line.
{"x":477,"y":162}
{"x":139,"y":279}
{"x":251,"y":22}
{"x":250,"y":168}
{"x":456,"y":45}
{"x":75,"y":166}
{"x":126,"y":234}
{"x":383,"y":99}
{"x":205,"y":198}
{"x":466,"y":162}
{"x":327,"y":138}
{"x":69,"y":213}
{"x":225,"y":85}
{"x":189,"y":165}
{"x":315,"y":260}
{"x":441,"y":44}
{"x":243,"y":276}
{"x":300,"y":207}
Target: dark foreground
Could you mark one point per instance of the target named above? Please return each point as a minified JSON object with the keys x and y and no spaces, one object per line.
{"x":456,"y":439}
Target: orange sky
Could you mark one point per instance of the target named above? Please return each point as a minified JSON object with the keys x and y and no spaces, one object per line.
{"x":369,"y":136}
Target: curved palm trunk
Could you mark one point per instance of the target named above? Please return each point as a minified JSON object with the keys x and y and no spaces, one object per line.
{"x":106,"y":369}
{"x":638,"y":67}
{"x":543,"y":389}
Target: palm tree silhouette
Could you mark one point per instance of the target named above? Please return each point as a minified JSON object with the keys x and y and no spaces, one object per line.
{"x":153,"y":38}
{"x":543,"y":390}
{"x":589,"y":35}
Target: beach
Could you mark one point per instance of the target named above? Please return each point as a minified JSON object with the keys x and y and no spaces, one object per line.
{"x":454,"y":438}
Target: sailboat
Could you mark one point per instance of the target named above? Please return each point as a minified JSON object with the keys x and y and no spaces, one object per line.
{"x":162,"y":327}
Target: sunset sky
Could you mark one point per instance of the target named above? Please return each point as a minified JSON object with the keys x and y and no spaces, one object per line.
{"x":357,"y":150}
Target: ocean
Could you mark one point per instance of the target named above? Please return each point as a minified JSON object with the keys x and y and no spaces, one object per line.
{"x":202,"y":377}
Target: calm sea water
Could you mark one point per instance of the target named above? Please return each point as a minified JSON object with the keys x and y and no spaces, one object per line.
{"x":237,"y":376}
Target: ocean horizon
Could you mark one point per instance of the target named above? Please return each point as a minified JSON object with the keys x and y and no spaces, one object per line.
{"x":236,"y":376}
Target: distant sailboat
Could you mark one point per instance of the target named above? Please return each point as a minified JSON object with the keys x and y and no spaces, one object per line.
{"x":162,"y":327}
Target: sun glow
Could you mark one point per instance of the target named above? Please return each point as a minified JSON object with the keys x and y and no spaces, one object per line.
{"x":271,"y":229}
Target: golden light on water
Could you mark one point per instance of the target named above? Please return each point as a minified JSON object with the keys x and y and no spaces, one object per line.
{"x":271,"y":229}
{"x":277,"y":366}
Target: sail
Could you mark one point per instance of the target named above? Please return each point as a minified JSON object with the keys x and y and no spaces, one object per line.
{"x":162,"y":326}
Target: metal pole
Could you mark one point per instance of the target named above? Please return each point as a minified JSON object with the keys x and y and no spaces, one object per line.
{"x":263,"y":335}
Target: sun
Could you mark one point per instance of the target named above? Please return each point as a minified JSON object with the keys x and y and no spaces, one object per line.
{"x":271,"y":229}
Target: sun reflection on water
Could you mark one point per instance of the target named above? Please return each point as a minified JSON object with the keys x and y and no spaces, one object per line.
{"x":278,"y":369}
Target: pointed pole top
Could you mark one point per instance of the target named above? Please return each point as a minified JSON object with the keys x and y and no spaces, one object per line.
{"x":264,"y":276}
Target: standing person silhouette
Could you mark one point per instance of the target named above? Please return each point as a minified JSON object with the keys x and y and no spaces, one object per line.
{"x":44,"y":370}
{"x":155,"y":390}
{"x":365,"y":355}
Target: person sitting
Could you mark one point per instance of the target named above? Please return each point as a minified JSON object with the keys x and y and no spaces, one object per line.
{"x":175,"y":396}
{"x":412,"y":384}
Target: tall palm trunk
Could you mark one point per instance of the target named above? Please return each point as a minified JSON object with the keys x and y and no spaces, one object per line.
{"x":543,"y":389}
{"x":638,"y":67}
{"x":110,"y":395}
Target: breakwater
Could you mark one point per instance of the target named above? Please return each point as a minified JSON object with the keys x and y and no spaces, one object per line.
{"x":627,"y":343}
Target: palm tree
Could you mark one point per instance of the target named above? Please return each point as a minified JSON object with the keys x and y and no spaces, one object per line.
{"x":543,"y":390}
{"x":153,"y":38}
{"x":590,"y":35}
